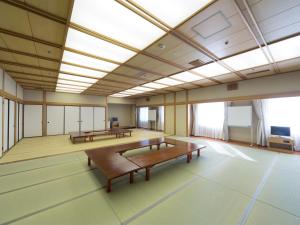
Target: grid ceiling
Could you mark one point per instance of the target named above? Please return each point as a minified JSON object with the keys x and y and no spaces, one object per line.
{"x":65,"y":45}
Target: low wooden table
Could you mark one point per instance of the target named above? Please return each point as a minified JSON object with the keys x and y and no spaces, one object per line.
{"x":112,"y":164}
{"x":89,"y":135}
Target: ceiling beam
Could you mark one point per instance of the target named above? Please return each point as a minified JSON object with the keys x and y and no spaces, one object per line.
{"x":30,"y":38}
{"x":35,"y":10}
{"x":28,"y":54}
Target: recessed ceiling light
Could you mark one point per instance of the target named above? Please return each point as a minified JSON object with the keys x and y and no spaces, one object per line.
{"x":81,"y":71}
{"x":186,"y":77}
{"x":114,"y":20}
{"x":95,"y":46}
{"x":77,"y":78}
{"x":74,"y":58}
{"x":169,"y":81}
{"x":286,"y":49}
{"x":139,"y":88}
{"x":172,"y":12}
{"x":246,"y":60}
{"x":212,"y":69}
{"x":154,"y":85}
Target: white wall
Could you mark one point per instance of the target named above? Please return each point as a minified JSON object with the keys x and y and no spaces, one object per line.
{"x":123,"y":112}
{"x":58,"y":97}
{"x":33,"y":95}
{"x":10,"y":85}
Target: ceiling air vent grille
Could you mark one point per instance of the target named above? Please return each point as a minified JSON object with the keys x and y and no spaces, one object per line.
{"x":196,"y":62}
{"x":257,"y":72}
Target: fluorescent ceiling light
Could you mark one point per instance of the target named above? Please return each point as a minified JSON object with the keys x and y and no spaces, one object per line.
{"x":114,"y":20}
{"x":75,"y":83}
{"x":169,"y":81}
{"x":68,"y":90}
{"x":125,"y":93}
{"x":67,"y":86}
{"x":81,"y":71}
{"x":139,"y":88}
{"x":134,"y":91}
{"x":286,"y":49}
{"x":95,"y":46}
{"x":186,"y":77}
{"x":83,"y":60}
{"x":212,"y":69}
{"x":172,"y":12}
{"x":154,"y":85}
{"x":247,"y":60}
{"x":119,"y":95}
{"x":77,"y":78}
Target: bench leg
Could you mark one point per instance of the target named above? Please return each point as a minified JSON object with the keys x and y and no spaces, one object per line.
{"x":198,"y":152}
{"x":89,"y":162}
{"x":108,"y":188}
{"x":147,"y":173}
{"x":131,"y":178}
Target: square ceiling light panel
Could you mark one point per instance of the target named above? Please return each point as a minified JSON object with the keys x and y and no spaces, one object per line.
{"x":143,"y":89}
{"x":68,"y":86}
{"x":247,"y":60}
{"x":169,"y":81}
{"x":134,"y":91}
{"x":154,"y":85}
{"x":81,"y":71}
{"x":286,"y":49}
{"x":95,"y":46}
{"x":119,"y":95}
{"x":58,"y":89}
{"x":112,"y":19}
{"x":212,"y":69}
{"x":172,"y":12}
{"x":187,"y":77}
{"x":77,"y":78}
{"x":73,"y":83}
{"x":83,"y":60}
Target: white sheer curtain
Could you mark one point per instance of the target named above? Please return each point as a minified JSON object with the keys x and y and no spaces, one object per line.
{"x":284,"y":112}
{"x":225,"y":123}
{"x":209,"y":119}
{"x":262,"y":129}
{"x":160,"y":121}
{"x":143,"y":117}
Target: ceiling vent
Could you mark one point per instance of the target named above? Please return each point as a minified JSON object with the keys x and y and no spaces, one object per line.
{"x":232,"y":87}
{"x":196,"y":63}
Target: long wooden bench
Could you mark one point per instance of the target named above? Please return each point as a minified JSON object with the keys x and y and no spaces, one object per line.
{"x":112,"y":164}
{"x":89,"y":135}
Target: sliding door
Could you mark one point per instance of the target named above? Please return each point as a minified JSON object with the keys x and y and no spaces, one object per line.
{"x":32,"y":120}
{"x":16,"y":122}
{"x":55,"y":120}
{"x":86,"y":118}
{"x":20,"y":136}
{"x":1,"y":114}
{"x":99,"y":118}
{"x":11,"y":123}
{"x":71,"y":119}
{"x":5,"y":125}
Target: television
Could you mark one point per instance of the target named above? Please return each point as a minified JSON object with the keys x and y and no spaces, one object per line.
{"x":281,"y":131}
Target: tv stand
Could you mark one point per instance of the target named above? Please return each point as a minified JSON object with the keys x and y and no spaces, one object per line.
{"x":276,"y":141}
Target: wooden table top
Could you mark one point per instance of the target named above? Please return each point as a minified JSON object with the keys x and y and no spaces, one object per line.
{"x":99,"y":132}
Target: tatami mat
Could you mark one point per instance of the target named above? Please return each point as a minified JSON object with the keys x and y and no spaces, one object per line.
{"x":30,"y":148}
{"x":219,"y":187}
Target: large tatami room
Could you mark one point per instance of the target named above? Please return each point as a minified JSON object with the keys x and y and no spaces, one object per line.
{"x":149,"y":112}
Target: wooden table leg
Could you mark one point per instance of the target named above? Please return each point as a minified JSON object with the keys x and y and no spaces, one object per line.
{"x":198,"y":152}
{"x":147,"y":173}
{"x":166,"y":145}
{"x":131,"y":178}
{"x":188,"y":158}
{"x":150,"y":147}
{"x":89,"y":161}
{"x":158,"y":146}
{"x":108,"y":188}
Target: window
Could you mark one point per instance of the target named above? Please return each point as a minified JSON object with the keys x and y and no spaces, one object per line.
{"x":284,"y":112}
{"x":143,"y":117}
{"x":208,"y":119}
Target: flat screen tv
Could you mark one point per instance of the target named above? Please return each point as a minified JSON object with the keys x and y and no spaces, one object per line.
{"x":281,"y":131}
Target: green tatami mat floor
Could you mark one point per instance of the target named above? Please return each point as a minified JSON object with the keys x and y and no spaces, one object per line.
{"x":227,"y":185}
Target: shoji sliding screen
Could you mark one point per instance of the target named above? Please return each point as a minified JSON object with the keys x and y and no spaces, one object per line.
{"x":5,"y":125}
{"x":86,"y":118}
{"x":71,"y":119}
{"x":99,"y":118}
{"x":55,"y":120}
{"x":11,"y":124}
{"x":20,"y":136}
{"x":32,"y":120}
